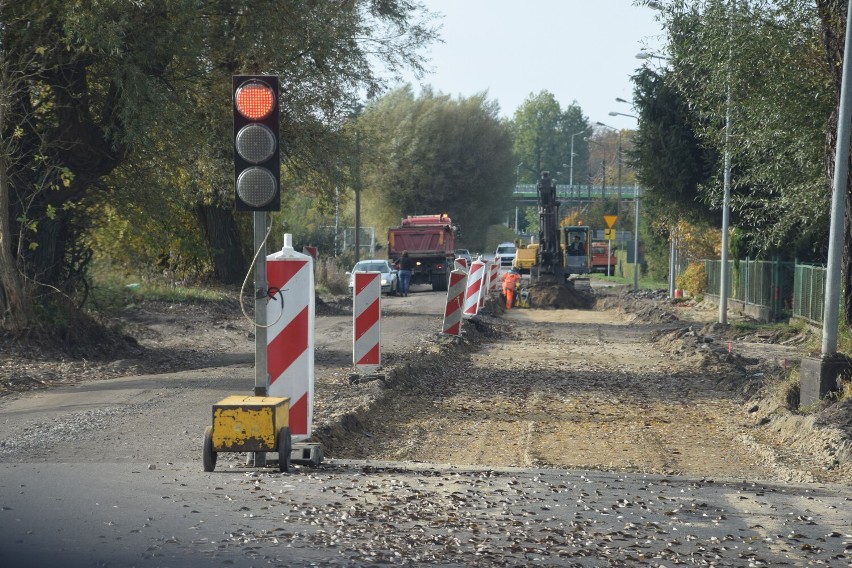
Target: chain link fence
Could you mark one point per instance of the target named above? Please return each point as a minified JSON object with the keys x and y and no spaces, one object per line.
{"x":767,"y":283}
{"x":808,"y":300}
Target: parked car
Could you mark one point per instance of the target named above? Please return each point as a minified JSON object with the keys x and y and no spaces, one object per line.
{"x":465,"y":254}
{"x":505,"y":255}
{"x":390,"y":278}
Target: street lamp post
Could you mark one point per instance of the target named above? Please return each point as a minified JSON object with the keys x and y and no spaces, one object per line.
{"x":571,"y":165}
{"x":618,"y":157}
{"x":613,"y":113}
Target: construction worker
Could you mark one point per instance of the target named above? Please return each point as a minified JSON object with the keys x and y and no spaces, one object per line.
{"x":510,"y":280}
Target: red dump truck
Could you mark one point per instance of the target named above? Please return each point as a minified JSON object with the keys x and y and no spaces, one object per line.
{"x":430,"y":242}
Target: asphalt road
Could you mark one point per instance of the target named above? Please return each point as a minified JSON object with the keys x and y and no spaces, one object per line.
{"x":109,"y":474}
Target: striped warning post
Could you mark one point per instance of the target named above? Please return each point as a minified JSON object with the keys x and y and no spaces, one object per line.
{"x":474,"y":286}
{"x":485,"y":284}
{"x":366,"y":321}
{"x":290,"y":337}
{"x":455,"y":302}
{"x":493,"y":275}
{"x":460,"y":264}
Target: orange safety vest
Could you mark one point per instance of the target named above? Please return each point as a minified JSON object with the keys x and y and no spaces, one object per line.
{"x":509,"y":280}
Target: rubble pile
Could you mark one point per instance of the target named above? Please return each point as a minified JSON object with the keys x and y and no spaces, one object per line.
{"x":553,"y":296}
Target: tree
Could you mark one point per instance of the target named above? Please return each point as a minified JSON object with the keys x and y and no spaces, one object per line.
{"x":670,"y":161}
{"x":432,"y":154}
{"x":832,"y":14}
{"x":543,"y":139}
{"x":113,"y":88}
{"x":767,"y":55}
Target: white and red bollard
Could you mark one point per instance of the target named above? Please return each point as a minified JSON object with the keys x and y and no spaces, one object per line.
{"x":493,"y":277}
{"x":486,"y":284}
{"x":366,"y":323}
{"x":455,"y":302}
{"x":473,"y":288}
{"x":290,"y":336}
{"x":460,"y":264}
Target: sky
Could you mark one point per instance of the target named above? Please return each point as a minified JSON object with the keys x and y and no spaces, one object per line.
{"x":582,"y":51}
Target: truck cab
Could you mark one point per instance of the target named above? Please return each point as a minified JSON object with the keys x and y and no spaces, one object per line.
{"x":602,"y":261}
{"x":577,"y":249}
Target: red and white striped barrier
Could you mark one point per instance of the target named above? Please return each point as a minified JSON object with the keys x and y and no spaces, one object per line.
{"x":366,"y":321}
{"x":486,"y":283}
{"x":455,"y":302}
{"x":473,"y":288}
{"x":494,"y":277}
{"x":460,"y":264}
{"x":290,"y":337}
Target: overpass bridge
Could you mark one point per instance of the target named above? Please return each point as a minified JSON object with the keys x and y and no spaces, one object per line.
{"x":525,"y":194}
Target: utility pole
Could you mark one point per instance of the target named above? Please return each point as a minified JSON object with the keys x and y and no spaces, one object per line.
{"x":356,"y":181}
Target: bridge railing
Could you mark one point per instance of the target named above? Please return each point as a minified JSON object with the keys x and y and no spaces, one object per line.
{"x":528,"y":191}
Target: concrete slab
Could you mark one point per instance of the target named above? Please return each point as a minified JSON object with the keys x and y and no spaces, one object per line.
{"x":818,"y":376}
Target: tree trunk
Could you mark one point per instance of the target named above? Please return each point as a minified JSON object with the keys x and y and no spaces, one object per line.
{"x":833,"y":17}
{"x":223,"y":241}
{"x":13,"y":301}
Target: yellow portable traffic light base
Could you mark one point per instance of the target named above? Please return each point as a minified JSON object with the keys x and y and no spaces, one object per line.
{"x":249,"y":424}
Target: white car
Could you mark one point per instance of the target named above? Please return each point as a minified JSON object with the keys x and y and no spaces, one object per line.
{"x":390,"y":278}
{"x":505,"y":255}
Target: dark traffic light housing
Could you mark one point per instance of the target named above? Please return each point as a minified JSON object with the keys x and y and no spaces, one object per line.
{"x":257,"y":153}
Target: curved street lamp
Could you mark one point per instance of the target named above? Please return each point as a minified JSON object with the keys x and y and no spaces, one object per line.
{"x":613,"y":113}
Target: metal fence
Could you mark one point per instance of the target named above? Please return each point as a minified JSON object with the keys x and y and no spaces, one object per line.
{"x":770,"y":284}
{"x":808,"y":299}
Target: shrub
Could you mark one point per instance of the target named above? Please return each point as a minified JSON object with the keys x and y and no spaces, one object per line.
{"x":693,"y":279}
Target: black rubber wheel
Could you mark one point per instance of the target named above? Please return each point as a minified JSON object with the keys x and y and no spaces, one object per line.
{"x":209,"y":454}
{"x":439,"y":282}
{"x":285,"y":445}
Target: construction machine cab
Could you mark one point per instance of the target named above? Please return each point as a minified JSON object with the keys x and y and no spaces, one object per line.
{"x":577,"y":248}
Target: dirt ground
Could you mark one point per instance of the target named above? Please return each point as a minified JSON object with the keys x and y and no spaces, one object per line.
{"x":635,"y":384}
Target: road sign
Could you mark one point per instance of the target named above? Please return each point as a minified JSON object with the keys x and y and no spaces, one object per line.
{"x":609,"y":234}
{"x":610,"y":220}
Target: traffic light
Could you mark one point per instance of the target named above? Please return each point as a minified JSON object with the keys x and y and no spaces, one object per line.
{"x":257,"y":164}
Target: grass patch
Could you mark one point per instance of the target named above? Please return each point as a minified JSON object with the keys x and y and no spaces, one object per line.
{"x":112,"y":291}
{"x":644,"y":283}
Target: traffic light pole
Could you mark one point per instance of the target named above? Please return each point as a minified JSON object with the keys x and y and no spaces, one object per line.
{"x":258,"y":459}
{"x":260,"y":297}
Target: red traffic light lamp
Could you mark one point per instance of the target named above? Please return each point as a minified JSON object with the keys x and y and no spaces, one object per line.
{"x":257,"y":162}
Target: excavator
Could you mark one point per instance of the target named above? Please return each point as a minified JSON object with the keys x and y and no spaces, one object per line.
{"x":562,"y":254}
{"x":550,"y":261}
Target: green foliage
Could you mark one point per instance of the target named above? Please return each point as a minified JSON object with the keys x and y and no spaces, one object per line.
{"x":542,"y":139}
{"x":118,"y":131}
{"x":496,"y":234}
{"x":770,"y":58}
{"x":433,"y":154}
{"x":670,"y":161}
{"x":693,"y":280}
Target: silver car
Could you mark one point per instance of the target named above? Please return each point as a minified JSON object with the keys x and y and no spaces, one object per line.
{"x":465,"y":254}
{"x":390,"y":278}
